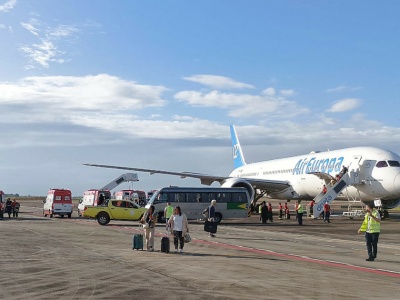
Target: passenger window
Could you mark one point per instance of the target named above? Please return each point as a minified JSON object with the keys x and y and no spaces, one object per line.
{"x":381,"y":164}
{"x":394,"y":163}
{"x":115,"y":203}
{"x":191,"y":197}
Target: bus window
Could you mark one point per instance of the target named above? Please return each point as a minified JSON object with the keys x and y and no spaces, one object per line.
{"x":162,"y":197}
{"x":223,"y":197}
{"x":177,"y":197}
{"x":239,"y":197}
{"x":193,"y":197}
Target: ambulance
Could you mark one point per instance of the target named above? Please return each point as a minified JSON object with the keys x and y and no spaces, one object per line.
{"x":93,"y":197}
{"x":137,"y":196}
{"x":58,"y":202}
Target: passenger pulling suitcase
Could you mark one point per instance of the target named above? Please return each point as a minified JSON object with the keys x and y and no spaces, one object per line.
{"x":137,"y":241}
{"x":165,"y":244}
{"x":210,"y":227}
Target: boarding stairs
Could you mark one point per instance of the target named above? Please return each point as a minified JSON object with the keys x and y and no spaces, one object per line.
{"x":332,"y":193}
{"x":120,"y":179}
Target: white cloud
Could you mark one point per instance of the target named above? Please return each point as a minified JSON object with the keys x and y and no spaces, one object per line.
{"x":244,"y":105}
{"x":32,"y":26}
{"x":46,"y":51}
{"x":342,"y":88}
{"x":287,"y":93}
{"x":8,"y":6}
{"x":345,"y":105}
{"x":74,"y":95}
{"x":218,"y":82}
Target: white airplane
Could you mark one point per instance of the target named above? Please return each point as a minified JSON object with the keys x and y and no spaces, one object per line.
{"x":373,"y":174}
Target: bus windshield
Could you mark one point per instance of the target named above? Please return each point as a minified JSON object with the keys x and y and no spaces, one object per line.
{"x":231,"y":202}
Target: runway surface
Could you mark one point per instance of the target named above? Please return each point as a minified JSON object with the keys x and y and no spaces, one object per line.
{"x":62,"y":258}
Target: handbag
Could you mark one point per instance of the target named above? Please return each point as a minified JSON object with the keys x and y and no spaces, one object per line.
{"x":146,"y":225}
{"x":187,"y":238}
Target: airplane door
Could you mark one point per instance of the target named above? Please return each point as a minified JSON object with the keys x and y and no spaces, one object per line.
{"x":366,"y":170}
{"x":354,"y":169}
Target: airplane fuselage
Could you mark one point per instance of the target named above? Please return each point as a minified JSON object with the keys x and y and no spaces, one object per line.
{"x":376,"y":173}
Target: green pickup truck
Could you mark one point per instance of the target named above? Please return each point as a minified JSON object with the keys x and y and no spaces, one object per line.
{"x":114,"y":210}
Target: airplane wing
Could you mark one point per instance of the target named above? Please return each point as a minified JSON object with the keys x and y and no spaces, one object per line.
{"x":322,"y":175}
{"x":204,"y":178}
{"x":271,"y":186}
{"x":262,"y":184}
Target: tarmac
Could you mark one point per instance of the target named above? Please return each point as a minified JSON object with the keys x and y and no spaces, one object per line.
{"x":61,"y":258}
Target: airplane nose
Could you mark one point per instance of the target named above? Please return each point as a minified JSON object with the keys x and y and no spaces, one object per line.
{"x":396,"y":184}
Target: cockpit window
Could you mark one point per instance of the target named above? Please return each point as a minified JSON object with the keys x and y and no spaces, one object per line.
{"x":381,"y":164}
{"x":394,"y":163}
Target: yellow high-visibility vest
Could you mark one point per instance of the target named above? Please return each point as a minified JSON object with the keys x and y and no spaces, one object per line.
{"x":369,"y":224}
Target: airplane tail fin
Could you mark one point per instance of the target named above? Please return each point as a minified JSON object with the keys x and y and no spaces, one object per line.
{"x":238,"y":158}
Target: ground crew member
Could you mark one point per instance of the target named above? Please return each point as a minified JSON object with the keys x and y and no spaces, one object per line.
{"x":311,"y":204}
{"x":287,"y":211}
{"x":270,"y":212}
{"x":280,"y":211}
{"x":168,"y":211}
{"x":9,"y":207}
{"x":15,"y":208}
{"x":372,"y":227}
{"x":327,"y":212}
{"x":299,"y":210}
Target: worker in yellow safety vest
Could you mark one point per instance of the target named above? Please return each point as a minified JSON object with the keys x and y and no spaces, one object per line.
{"x":299,"y":210}
{"x":372,"y":227}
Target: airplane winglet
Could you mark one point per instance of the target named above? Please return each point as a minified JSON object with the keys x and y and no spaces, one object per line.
{"x":238,"y":158}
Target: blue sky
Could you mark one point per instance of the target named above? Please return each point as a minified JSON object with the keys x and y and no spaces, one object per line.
{"x":155,"y":84}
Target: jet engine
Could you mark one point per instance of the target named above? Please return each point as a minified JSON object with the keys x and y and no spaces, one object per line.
{"x":237,"y":182}
{"x":388,"y":204}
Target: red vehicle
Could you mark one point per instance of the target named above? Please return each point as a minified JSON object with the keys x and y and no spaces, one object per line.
{"x":58,"y":202}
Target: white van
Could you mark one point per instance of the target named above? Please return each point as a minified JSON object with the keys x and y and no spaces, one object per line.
{"x":58,"y":202}
{"x":93,"y":197}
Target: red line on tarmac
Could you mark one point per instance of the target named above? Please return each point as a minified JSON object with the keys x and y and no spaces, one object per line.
{"x":301,"y":258}
{"x":273,"y":253}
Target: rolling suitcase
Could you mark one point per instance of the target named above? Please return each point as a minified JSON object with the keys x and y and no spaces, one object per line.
{"x":165,"y":244}
{"x":137,"y":241}
{"x":210,"y":227}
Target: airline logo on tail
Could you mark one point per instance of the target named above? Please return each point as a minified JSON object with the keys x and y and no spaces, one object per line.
{"x":238,"y":159}
{"x":236,"y":149}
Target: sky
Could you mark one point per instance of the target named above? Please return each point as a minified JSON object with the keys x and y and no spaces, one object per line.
{"x":155,"y":84}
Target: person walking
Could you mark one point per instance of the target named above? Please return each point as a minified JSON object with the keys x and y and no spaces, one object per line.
{"x":211,"y":214}
{"x":179,"y":224}
{"x":15,"y":208}
{"x":324,"y":189}
{"x":264,"y":212}
{"x":372,"y":227}
{"x":149,"y":224}
{"x":168,"y":211}
{"x":8,"y":207}
{"x":299,"y":212}
{"x":327,"y":212}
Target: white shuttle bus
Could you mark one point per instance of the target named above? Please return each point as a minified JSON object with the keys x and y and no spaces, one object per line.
{"x":231,"y":202}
